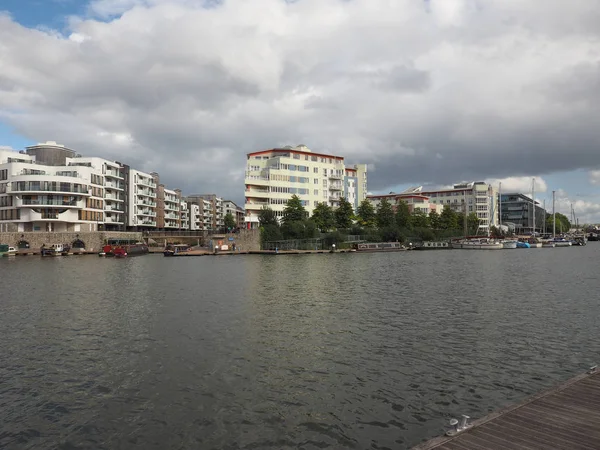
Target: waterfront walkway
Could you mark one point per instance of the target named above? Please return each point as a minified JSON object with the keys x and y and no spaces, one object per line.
{"x":564,"y":417}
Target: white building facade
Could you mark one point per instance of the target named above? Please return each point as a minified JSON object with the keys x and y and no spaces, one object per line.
{"x":473,"y":197}
{"x":56,"y":194}
{"x":273,"y":176}
{"x":142,"y":200}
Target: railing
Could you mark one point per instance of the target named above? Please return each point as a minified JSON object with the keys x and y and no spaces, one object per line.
{"x":48,"y":203}
{"x":58,"y":189}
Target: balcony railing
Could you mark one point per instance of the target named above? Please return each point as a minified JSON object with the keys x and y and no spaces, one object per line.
{"x":27,"y":202}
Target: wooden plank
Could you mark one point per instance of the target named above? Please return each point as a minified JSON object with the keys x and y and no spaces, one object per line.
{"x":563,"y":417}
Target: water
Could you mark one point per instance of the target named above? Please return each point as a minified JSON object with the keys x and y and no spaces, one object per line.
{"x":306,"y":352}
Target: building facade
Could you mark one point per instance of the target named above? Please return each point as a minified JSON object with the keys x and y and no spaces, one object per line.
{"x":237,"y":212}
{"x":57,"y":193}
{"x":516,"y":212}
{"x":273,"y":176}
{"x":211,"y":210}
{"x":142,"y":201}
{"x":416,"y":202}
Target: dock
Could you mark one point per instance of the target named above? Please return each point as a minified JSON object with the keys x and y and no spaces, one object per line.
{"x":564,"y":417}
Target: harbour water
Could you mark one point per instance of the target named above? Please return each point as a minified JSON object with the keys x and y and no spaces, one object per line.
{"x":274,"y":352}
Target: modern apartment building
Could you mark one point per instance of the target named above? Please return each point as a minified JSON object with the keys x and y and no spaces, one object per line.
{"x":113,"y":182}
{"x":48,"y":188}
{"x":477,"y":196}
{"x":211,"y":210}
{"x":273,"y":176}
{"x":237,"y":212}
{"x":142,"y":203}
{"x":184,"y":214}
{"x":416,"y":201}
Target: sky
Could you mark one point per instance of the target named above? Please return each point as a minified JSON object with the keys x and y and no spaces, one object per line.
{"x":430,"y":92}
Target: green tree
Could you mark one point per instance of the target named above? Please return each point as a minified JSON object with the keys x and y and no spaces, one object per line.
{"x":419,"y":219}
{"x":448,"y":219}
{"x":229,"y":220}
{"x":562,"y":223}
{"x":385,"y":214}
{"x":323,"y":217}
{"x":472,"y":223}
{"x":365,"y":214}
{"x":269,"y":233}
{"x":434,"y":219}
{"x":344,"y":214}
{"x":294,"y":211}
{"x":266,"y":216}
{"x":403,"y":215}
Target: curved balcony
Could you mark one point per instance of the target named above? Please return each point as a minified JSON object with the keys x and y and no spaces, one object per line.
{"x":48,"y":187}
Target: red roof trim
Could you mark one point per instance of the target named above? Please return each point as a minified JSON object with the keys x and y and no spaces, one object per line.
{"x":290,"y":150}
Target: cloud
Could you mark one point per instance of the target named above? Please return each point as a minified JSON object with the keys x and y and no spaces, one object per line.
{"x":6,"y":148}
{"x":586,"y":212}
{"x":434,"y":91}
{"x":521,"y":185}
{"x":594,"y":177}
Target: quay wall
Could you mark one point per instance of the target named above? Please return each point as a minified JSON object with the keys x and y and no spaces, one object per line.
{"x":94,"y":240}
{"x":245,"y":240}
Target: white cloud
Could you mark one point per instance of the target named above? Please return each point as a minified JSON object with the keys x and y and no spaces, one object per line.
{"x":586,"y":211}
{"x":521,"y":185}
{"x":594,"y":177}
{"x":439,"y":91}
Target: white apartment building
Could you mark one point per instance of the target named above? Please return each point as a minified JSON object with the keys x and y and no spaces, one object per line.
{"x":196,"y":221}
{"x":475,"y":196}
{"x":113,"y":174}
{"x":142,"y":200}
{"x":273,"y":176}
{"x":46,"y":189}
{"x":172,"y":205}
{"x":229,"y":207}
{"x":184,"y":215}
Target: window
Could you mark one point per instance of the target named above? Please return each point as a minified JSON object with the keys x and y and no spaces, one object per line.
{"x":316,"y":170}
{"x":316,"y":192}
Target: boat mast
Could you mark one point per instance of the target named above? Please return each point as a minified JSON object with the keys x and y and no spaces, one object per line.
{"x":544,"y":216}
{"x":553,"y":216}
{"x":533,"y":201}
{"x":500,"y":206}
{"x":465,"y":212}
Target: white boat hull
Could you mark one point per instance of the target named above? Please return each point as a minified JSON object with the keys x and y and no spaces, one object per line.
{"x":478,"y":245}
{"x":509,"y":244}
{"x":535,"y":245}
{"x":563,"y":244}
{"x":548,"y":245}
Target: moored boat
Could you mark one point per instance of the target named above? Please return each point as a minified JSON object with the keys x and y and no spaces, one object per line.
{"x":509,"y":244}
{"x":521,"y":244}
{"x":477,"y":244}
{"x":175,"y":250}
{"x":380,"y":247}
{"x":54,"y":250}
{"x":6,"y":250}
{"x":548,"y":244}
{"x":562,"y":242}
{"x":432,"y":245}
{"x":121,"y":248}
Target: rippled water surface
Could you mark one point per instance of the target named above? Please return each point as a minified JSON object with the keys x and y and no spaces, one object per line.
{"x":261,"y":352}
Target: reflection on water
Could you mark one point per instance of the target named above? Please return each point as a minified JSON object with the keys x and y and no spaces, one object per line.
{"x":308,"y":351}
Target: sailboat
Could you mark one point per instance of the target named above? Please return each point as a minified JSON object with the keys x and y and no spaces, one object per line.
{"x":506,"y":243}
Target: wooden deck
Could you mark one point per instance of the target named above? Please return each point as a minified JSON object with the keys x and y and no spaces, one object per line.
{"x":564,"y":417}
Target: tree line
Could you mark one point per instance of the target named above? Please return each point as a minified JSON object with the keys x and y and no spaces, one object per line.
{"x":381,"y":223}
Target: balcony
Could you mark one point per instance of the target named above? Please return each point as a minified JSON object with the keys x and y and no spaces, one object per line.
{"x":256,"y":180}
{"x":113,"y":220}
{"x":335,"y":176}
{"x":47,"y":202}
{"x":47,"y":187}
{"x":113,"y":174}
{"x":335,"y":187}
{"x":111,"y":185}
{"x":115,"y":198}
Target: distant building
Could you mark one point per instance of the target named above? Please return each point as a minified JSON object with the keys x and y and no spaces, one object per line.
{"x":237,"y":212}
{"x":474,"y":197}
{"x":273,"y":176}
{"x":414,"y":200}
{"x":516,"y":212}
{"x":210,"y":208}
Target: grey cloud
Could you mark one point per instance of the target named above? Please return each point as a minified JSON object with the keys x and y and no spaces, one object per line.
{"x":168,"y":86}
